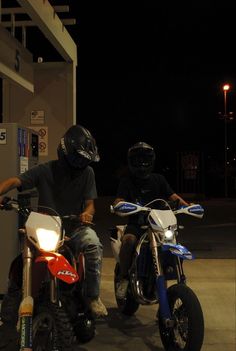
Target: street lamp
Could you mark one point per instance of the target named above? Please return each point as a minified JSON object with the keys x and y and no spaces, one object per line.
{"x":226,"y":88}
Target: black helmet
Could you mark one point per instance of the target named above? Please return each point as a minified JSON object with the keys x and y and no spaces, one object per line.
{"x":141,"y":159}
{"x":78,"y":147}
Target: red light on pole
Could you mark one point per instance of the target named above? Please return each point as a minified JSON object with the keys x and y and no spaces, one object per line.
{"x":226,"y":88}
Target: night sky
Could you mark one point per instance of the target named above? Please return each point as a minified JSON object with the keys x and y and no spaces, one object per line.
{"x":154,"y":72}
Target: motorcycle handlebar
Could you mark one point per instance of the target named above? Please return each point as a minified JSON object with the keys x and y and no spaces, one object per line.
{"x":5,"y":205}
{"x":194,"y":210}
{"x":124,"y":208}
{"x":9,"y":203}
{"x":76,"y":218}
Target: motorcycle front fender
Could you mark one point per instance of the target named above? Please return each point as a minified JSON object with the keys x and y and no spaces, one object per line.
{"x":178,"y":250}
{"x":59,"y":267}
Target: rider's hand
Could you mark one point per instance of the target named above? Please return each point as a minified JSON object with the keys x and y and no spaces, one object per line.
{"x":86,"y":218}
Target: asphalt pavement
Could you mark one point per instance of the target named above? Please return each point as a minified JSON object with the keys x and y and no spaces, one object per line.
{"x":213,"y":280}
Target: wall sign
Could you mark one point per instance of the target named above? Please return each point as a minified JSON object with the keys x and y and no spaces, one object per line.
{"x":24,"y":164}
{"x":3,"y":136}
{"x":17,"y":61}
{"x":43,"y":139}
{"x":37,"y":117}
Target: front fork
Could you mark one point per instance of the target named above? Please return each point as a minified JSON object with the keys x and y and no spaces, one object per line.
{"x":26,"y":306}
{"x":25,"y":324}
{"x":160,"y":283}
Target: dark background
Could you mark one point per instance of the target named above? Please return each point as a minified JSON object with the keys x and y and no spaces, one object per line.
{"x":153,"y":71}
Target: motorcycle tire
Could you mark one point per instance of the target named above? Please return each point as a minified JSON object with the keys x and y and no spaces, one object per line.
{"x":187,"y":334}
{"x":81,"y":319}
{"x":128,"y":306}
{"x":84,"y":328}
{"x":52,"y":329}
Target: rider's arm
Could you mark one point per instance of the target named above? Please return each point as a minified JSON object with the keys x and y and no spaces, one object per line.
{"x":89,"y":209}
{"x":9,"y":184}
{"x":175,"y":197}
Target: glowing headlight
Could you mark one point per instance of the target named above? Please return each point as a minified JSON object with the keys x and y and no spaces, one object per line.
{"x":47,"y":239}
{"x":169,"y":234}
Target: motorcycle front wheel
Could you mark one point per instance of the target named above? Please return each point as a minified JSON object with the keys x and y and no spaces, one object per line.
{"x":187,"y":334}
{"x":128,"y":305}
{"x":52,"y":329}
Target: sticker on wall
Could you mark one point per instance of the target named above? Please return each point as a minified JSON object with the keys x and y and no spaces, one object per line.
{"x":43,"y":139}
{"x":3,"y":136}
{"x":24,"y":164}
{"x":37,"y":117}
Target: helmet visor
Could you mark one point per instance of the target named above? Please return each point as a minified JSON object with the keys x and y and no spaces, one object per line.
{"x":77,"y":161}
{"x":141,"y":159}
{"x":141,"y":162}
{"x":91,"y":153}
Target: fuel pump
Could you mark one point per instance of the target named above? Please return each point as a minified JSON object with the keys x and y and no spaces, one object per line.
{"x":18,"y":153}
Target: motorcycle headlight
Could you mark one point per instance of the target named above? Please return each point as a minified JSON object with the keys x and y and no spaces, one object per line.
{"x":169,"y":234}
{"x":48,"y":240}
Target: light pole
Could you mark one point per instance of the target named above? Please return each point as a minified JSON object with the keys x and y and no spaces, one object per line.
{"x":226,"y":88}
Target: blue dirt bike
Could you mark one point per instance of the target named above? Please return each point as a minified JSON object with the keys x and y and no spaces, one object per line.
{"x":158,"y":260}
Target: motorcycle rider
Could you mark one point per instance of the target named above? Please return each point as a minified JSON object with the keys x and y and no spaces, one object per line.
{"x":68,"y":186}
{"x":139,"y":186}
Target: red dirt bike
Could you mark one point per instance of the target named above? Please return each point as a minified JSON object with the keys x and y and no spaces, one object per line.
{"x":53,"y":311}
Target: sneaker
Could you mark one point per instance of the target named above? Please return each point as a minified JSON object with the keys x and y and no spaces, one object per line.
{"x":97,"y":308}
{"x":121,"y":290}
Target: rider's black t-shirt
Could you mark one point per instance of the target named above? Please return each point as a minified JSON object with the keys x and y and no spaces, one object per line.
{"x":142,"y":191}
{"x":60,"y":188}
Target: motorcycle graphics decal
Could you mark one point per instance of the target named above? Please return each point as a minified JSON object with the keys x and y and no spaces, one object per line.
{"x":196,"y":209}
{"x":65,"y":272}
{"x":125,"y":207}
{"x":25,"y":314}
{"x":178,"y":250}
{"x":26,"y":339}
{"x":162,"y":293}
{"x":59,"y":267}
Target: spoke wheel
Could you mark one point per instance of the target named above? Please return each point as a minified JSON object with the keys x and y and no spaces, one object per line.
{"x":52,"y":330}
{"x":188,"y":331}
{"x":44,"y":332}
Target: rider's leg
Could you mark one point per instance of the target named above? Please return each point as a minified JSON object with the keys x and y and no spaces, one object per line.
{"x":126,"y":253}
{"x":85,"y":240}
